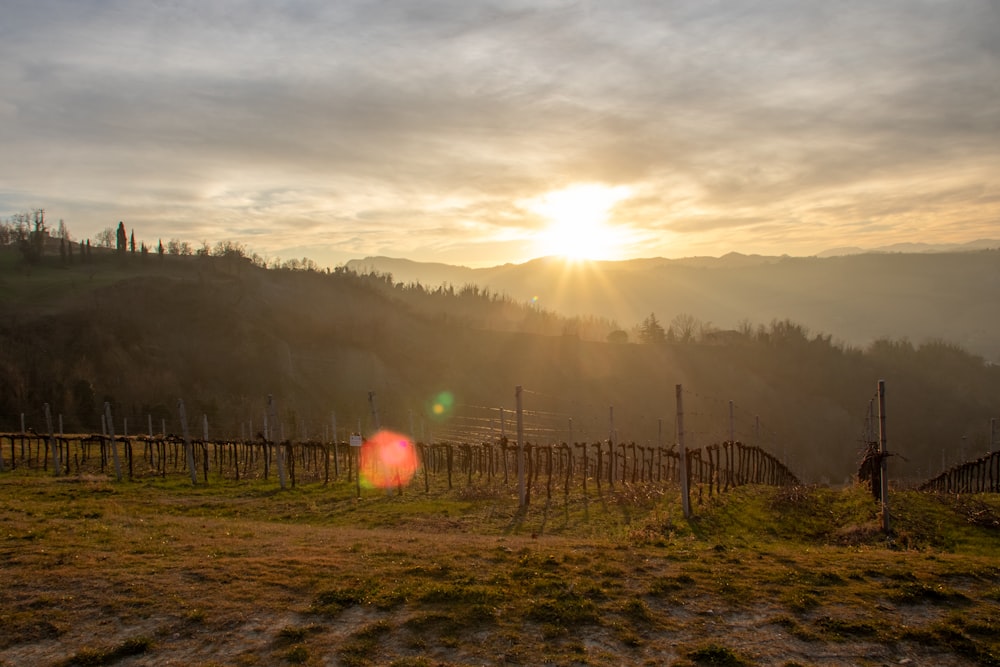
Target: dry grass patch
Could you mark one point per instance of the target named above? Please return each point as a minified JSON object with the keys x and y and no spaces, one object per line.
{"x":265,"y":577}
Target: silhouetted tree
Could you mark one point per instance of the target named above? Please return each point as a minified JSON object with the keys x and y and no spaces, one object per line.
{"x":651,"y":331}
{"x":121,"y":240}
{"x":105,"y":238}
{"x":131,"y":242}
{"x":618,"y":336}
{"x":178,"y":247}
{"x":684,"y":327}
{"x":31,"y":240}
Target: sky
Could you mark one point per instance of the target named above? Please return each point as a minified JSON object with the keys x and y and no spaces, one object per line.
{"x":481,"y":133}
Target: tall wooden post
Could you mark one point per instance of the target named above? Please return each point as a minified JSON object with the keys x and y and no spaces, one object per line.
{"x":612,"y":457}
{"x":336,"y":453}
{"x":114,"y":446}
{"x":52,"y":441}
{"x":682,"y":451}
{"x":883,"y":455}
{"x":188,"y":448}
{"x":279,"y":450}
{"x":520,"y":447}
{"x":732,"y":422}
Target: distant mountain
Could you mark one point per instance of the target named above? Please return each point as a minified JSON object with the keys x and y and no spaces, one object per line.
{"x":980,"y":244}
{"x":856,"y":298}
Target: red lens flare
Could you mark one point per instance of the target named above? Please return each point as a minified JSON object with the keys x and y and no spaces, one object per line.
{"x":388,"y":459}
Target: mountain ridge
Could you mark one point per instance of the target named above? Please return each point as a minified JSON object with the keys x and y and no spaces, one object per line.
{"x":858,"y":299}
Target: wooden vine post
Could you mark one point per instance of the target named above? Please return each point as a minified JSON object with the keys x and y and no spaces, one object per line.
{"x":612,"y":459}
{"x":204,"y":451}
{"x":336,"y":462}
{"x":520,"y":448}
{"x":357,"y":442}
{"x":682,"y":451}
{"x":52,"y":442}
{"x":109,"y":422}
{"x":883,"y":455}
{"x":279,"y":451}
{"x":188,"y":448}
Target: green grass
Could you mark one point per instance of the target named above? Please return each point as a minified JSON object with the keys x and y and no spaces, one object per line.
{"x":460,"y":578}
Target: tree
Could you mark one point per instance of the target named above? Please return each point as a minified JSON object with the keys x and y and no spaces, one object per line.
{"x":31,"y":239}
{"x":104,"y":238}
{"x":178,"y":247}
{"x":229,"y":249}
{"x":131,"y":242}
{"x":651,"y":331}
{"x":159,"y":248}
{"x":684,"y":327}
{"x":618,"y":336}
{"x":121,"y":240}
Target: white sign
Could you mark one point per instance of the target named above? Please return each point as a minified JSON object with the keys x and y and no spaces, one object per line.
{"x":356,"y":440}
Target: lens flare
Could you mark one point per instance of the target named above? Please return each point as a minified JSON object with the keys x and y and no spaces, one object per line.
{"x":441,"y":405}
{"x":388,"y":459}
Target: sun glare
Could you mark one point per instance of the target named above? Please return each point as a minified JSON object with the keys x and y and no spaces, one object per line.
{"x":578,"y":217}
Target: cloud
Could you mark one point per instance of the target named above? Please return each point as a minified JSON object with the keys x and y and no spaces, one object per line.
{"x":373,"y":124}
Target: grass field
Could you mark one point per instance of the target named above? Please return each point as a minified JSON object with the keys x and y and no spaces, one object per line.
{"x":161,"y":573}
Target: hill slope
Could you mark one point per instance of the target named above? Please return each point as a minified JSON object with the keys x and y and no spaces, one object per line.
{"x":858,"y":298}
{"x":223,"y":336}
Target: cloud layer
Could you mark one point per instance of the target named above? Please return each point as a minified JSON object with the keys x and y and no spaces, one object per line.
{"x":413,"y":129}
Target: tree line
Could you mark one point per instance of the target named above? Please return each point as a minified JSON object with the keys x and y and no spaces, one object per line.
{"x":36,"y":240}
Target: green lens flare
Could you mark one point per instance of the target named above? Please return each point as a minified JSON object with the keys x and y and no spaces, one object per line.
{"x":441,"y":405}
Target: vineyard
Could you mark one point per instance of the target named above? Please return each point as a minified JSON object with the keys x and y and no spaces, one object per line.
{"x":473,"y":452}
{"x":550,"y":469}
{"x":979,"y":476}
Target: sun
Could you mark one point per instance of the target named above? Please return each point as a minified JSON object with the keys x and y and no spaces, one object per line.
{"x":578,"y":221}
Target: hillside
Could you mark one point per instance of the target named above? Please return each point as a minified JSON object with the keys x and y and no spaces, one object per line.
{"x":857,"y":299}
{"x":224,"y":334}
